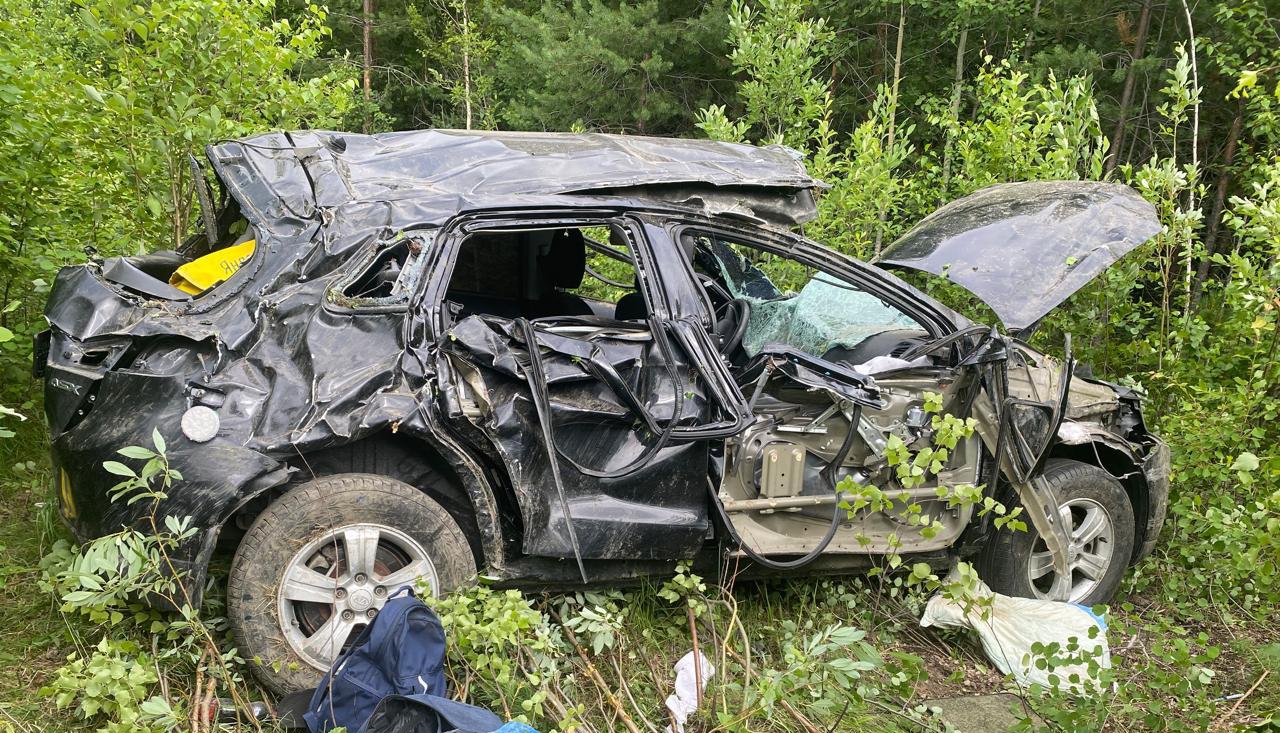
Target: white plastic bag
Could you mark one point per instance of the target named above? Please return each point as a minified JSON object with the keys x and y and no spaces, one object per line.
{"x":1008,"y":626}
{"x":685,"y":701}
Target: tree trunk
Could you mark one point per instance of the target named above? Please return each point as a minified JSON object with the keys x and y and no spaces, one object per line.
{"x":893,"y":111}
{"x":897,"y":74}
{"x":1031,"y":32}
{"x":367,"y":58}
{"x":466,"y":61}
{"x":1192,"y":203}
{"x":1126,"y":94}
{"x":956,"y":87}
{"x":1219,"y":203}
{"x":882,"y":50}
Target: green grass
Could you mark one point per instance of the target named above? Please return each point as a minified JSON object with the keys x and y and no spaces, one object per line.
{"x":778,"y":617}
{"x":35,"y":638}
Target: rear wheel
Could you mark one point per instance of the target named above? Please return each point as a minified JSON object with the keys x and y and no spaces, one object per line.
{"x":320,"y":561}
{"x":1095,"y":509}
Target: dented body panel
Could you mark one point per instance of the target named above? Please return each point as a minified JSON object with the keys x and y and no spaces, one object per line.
{"x":621,"y":442}
{"x":1023,"y":248}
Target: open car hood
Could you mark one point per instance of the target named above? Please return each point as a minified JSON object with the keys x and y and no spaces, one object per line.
{"x":294,"y":175}
{"x":1023,"y":248}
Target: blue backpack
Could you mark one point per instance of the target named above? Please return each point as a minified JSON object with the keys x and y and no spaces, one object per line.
{"x":392,"y":678}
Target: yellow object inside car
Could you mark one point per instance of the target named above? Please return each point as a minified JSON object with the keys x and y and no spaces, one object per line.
{"x":203,"y":273}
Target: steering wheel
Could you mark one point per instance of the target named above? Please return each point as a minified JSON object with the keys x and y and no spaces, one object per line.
{"x":731,"y":314}
{"x":732,"y":318}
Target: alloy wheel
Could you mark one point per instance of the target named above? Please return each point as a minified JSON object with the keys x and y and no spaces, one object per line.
{"x":337,"y":583}
{"x":1089,"y":554}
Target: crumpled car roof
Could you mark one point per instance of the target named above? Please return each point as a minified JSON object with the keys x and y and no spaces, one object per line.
{"x":293,"y":174}
{"x":1023,"y":248}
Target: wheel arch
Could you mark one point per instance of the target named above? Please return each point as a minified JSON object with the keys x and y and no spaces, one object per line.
{"x":1124,"y":466}
{"x":417,"y":459}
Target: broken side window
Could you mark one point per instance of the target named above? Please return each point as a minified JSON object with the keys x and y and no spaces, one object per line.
{"x":610,"y":271}
{"x":539,"y":272}
{"x":797,"y":306}
{"x":388,"y":277}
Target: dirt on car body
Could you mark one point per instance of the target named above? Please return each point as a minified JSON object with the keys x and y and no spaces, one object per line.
{"x":577,"y":358}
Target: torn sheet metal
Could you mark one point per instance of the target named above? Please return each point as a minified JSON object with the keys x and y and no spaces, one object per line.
{"x":1073,"y":433}
{"x":296,"y":356}
{"x":290,"y":366}
{"x":1023,"y":248}
{"x":292,"y":176}
{"x":835,"y":381}
{"x":645,"y":498}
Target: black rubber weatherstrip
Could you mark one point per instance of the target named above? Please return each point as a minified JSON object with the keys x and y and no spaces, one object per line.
{"x":537,"y":388}
{"x":606,"y":374}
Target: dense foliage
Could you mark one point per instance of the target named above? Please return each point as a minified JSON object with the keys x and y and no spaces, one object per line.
{"x":901,"y":106}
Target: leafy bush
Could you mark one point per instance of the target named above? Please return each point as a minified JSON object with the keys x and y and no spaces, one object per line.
{"x":105,"y":582}
{"x":113,"y":682}
{"x":502,"y":650}
{"x":1227,"y":515}
{"x":102,"y":102}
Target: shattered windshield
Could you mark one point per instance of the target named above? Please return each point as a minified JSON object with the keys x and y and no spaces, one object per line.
{"x":811,"y":310}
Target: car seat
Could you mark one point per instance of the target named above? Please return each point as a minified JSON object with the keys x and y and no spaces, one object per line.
{"x":560,"y":268}
{"x":631,"y":307}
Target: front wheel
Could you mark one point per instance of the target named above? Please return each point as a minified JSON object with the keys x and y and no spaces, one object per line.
{"x":1095,"y":509}
{"x":320,"y":561}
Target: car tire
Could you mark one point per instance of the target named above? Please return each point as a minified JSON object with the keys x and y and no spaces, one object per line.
{"x":320,"y":560}
{"x":1017,"y":563}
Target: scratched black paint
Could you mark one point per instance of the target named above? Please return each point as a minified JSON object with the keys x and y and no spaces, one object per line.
{"x":1023,"y":248}
{"x":289,"y":371}
{"x":292,"y":368}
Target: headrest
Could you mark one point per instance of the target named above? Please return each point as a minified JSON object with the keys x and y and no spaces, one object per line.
{"x":565,"y":262}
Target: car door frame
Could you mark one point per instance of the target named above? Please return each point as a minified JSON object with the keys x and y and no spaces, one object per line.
{"x":932,"y":318}
{"x":936,"y":319}
{"x":1037,"y":497}
{"x":653,"y":287}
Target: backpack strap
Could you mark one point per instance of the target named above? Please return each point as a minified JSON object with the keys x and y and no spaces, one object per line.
{"x":290,"y":709}
{"x":429,"y":713}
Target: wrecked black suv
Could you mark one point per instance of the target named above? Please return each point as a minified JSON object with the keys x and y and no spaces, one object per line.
{"x":577,"y":358}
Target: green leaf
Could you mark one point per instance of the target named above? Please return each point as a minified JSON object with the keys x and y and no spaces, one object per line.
{"x":118,"y":469}
{"x":1245,"y":462}
{"x":136,"y":451}
{"x":1269,"y":655}
{"x":155,"y":706}
{"x":159,"y":441}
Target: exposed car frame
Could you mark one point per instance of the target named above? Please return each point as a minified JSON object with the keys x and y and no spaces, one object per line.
{"x":304,"y":378}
